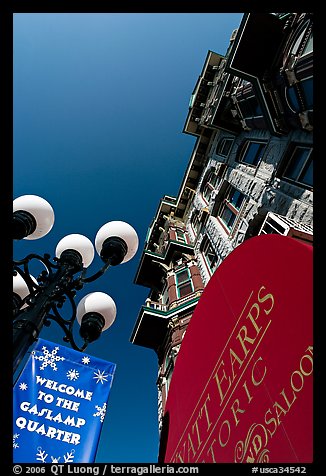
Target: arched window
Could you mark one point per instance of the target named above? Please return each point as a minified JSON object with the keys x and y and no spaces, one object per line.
{"x":300,"y":95}
{"x":302,"y":42}
{"x":298,"y":71}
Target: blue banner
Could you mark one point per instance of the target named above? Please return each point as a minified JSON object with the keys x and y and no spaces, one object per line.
{"x":60,"y":402}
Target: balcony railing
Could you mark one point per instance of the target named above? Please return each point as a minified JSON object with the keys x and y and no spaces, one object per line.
{"x":178,"y":302}
{"x":155,"y":305}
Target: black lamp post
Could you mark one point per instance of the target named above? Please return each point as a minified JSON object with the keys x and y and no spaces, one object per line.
{"x":36,"y":301}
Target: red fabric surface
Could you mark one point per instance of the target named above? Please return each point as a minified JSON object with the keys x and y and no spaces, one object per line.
{"x":241,"y":390}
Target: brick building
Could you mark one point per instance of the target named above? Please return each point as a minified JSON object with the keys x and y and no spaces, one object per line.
{"x":250,"y":173}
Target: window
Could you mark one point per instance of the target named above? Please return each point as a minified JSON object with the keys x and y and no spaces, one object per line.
{"x":211,"y":181}
{"x":180,"y":236}
{"x":300,"y":95}
{"x":165,"y":295}
{"x":184,"y":283}
{"x":303,"y":44}
{"x":250,"y":107}
{"x":209,"y":255}
{"x":230,"y":206}
{"x":252,"y":152}
{"x":224,"y":146}
{"x":168,"y":370}
{"x":195,"y":221}
{"x":299,"y":167}
{"x":309,"y":45}
{"x":300,"y":45}
{"x":209,"y":185}
{"x":228,"y":217}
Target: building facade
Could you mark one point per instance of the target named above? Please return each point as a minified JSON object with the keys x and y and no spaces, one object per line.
{"x":250,"y":173}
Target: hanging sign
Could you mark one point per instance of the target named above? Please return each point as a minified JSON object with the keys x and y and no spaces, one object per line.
{"x":60,"y":402}
{"x":242,"y":386}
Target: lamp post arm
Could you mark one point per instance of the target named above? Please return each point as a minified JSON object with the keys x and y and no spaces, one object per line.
{"x":44,"y":259}
{"x":28,"y":323}
{"x":100,"y":272}
{"x":66,"y":324}
{"x":67,"y":328}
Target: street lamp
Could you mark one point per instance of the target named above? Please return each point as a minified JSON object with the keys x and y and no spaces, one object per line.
{"x":36,"y":301}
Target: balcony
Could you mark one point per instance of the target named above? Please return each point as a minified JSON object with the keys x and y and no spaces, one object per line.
{"x":201,"y":93}
{"x":260,"y":65}
{"x":153,"y":265}
{"x":153,"y":319}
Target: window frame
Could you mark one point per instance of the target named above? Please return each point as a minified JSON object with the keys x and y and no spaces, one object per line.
{"x":180,"y":236}
{"x":168,"y":369}
{"x":183,"y":283}
{"x":258,"y":157}
{"x":210,"y":185}
{"x":233,"y":209}
{"x":221,"y":144}
{"x":217,"y":173}
{"x":302,"y":39}
{"x":195,"y":222}
{"x":288,"y":162}
{"x":299,"y":96}
{"x":204,"y":250}
{"x":248,"y":102}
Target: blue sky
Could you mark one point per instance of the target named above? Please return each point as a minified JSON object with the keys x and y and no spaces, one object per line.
{"x":100,"y":101}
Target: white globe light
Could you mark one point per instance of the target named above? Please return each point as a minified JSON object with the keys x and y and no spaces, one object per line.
{"x":20,"y":287}
{"x":121,"y":230}
{"x":79,"y":243}
{"x":97,"y":302}
{"x":40,"y":209}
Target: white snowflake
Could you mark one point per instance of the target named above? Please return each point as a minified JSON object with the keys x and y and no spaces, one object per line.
{"x":101,"y":376}
{"x":49,"y":358}
{"x":86,"y":360}
{"x":41,"y":455}
{"x":68,"y":457}
{"x":101,"y":411}
{"x":73,"y":374}
{"x":23,"y":386}
{"x":14,"y":442}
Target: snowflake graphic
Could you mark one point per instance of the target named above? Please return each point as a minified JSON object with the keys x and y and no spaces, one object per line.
{"x":101,"y":411}
{"x":68,"y":457}
{"x":14,"y":442}
{"x":41,"y":455}
{"x":101,"y":376}
{"x":49,"y":358}
{"x":23,"y":386}
{"x":86,"y":360}
{"x":73,"y":374}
